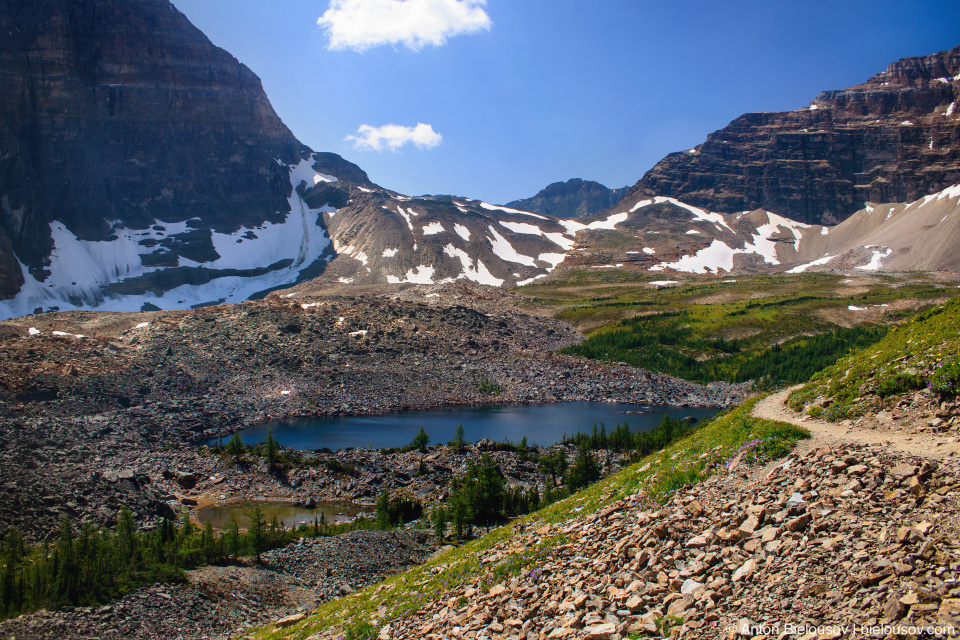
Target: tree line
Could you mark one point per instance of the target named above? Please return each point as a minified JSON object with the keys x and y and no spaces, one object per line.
{"x":667,"y":342}
{"x":94,"y":565}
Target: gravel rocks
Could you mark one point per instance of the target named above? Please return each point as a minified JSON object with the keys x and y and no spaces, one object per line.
{"x":827,"y":537}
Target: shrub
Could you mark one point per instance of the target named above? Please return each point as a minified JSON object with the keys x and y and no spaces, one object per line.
{"x":899,"y":383}
{"x":489,"y":388}
{"x":946,"y":378}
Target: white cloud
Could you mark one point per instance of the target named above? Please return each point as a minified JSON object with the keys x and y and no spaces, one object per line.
{"x":394,"y":136}
{"x":364,"y":24}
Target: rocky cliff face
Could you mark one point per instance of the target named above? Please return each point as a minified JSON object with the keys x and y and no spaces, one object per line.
{"x":574,"y":198}
{"x":119,"y":118}
{"x":894,"y":138}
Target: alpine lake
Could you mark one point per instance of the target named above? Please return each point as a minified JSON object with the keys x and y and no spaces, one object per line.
{"x":541,"y":424}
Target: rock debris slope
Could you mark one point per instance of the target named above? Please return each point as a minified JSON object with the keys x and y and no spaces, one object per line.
{"x":848,"y":537}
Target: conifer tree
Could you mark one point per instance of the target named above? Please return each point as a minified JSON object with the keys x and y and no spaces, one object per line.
{"x":256,"y":534}
{"x":233,"y":538}
{"x":382,"y":512}
{"x":459,"y":443}
{"x":235,"y":447}
{"x":272,"y":450}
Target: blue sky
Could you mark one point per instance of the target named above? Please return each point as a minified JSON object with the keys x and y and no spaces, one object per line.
{"x":535,"y":91}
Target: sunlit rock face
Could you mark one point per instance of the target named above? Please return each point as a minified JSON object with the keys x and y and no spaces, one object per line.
{"x":135,"y":148}
{"x":894,"y":138}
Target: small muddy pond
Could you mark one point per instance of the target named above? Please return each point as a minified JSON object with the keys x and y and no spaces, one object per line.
{"x":289,"y":514}
{"x":542,"y":424}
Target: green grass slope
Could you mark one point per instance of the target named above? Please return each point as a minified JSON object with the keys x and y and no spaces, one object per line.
{"x":921,"y":356}
{"x":776,"y":329}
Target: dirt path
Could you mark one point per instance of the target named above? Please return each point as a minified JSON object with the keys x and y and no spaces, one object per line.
{"x":774,"y":407}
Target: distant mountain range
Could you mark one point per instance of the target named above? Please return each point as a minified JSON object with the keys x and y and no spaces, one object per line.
{"x":574,"y":198}
{"x":169,"y":182}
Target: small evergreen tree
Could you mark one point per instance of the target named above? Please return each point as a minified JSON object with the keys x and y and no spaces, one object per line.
{"x":233,"y":538}
{"x":235,"y":447}
{"x":256,"y":534}
{"x":421,"y":440}
{"x":459,"y":443}
{"x":585,"y":470}
{"x":382,"y":512}
{"x":272,"y":451}
{"x":439,"y":523}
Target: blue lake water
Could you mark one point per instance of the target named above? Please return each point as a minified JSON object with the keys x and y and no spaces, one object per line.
{"x":543,"y":424}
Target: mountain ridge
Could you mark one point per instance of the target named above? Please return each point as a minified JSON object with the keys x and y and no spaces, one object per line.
{"x":893,"y":138}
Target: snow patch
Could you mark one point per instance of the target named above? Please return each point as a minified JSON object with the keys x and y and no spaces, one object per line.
{"x":647,"y":203}
{"x":713,"y":258}
{"x":422,"y":274}
{"x":64,"y":334}
{"x":478,"y":273}
{"x":503,"y":249}
{"x":876,"y":262}
{"x":572,"y":226}
{"x":310,"y":305}
{"x":406,"y":216}
{"x":950,"y":109}
{"x":949,"y":192}
{"x":535,"y":278}
{"x":610,"y":222}
{"x":33,"y":331}
{"x":522,"y":227}
{"x":462,"y":231}
{"x":906,"y":123}
{"x":433,"y":229}
{"x":763,"y":243}
{"x":389,"y":253}
{"x":493,"y":207}
{"x":824,"y":231}
{"x":815,"y":263}
{"x":663,"y":283}
{"x":553,"y":258}
{"x":853,"y":308}
{"x":706,"y":216}
{"x":648,"y":251}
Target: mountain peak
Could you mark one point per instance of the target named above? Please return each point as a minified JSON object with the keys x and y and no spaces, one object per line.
{"x":894,"y":138}
{"x":575,"y":198}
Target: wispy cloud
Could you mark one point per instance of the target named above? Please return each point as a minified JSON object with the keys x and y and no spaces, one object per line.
{"x":395,"y":136}
{"x":364,"y":24}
